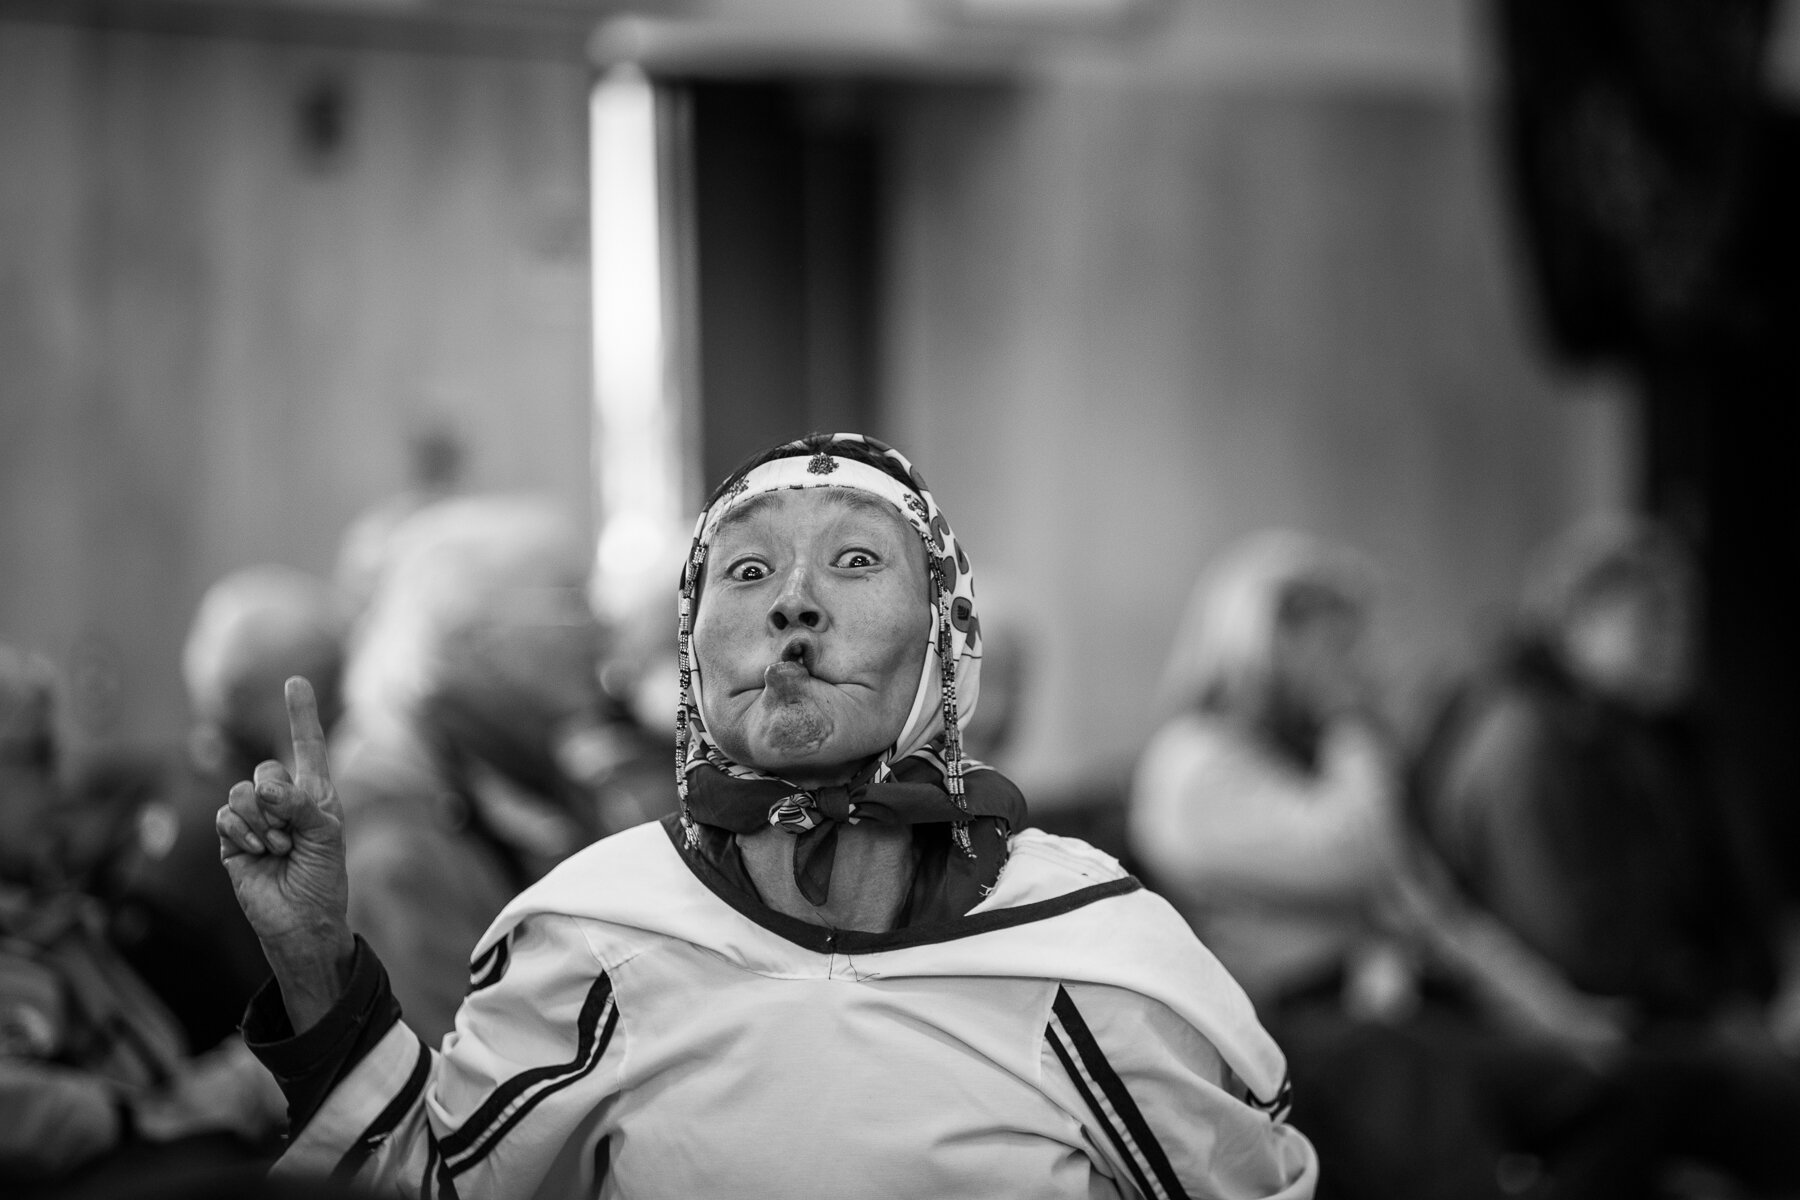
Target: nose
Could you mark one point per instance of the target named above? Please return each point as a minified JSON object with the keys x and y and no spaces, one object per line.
{"x":796,"y":605}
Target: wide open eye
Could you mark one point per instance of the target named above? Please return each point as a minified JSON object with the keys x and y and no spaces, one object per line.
{"x":857,"y":558}
{"x":748,"y":570}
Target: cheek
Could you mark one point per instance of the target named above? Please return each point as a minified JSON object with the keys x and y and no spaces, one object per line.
{"x":718,"y":625}
{"x":893,"y":633}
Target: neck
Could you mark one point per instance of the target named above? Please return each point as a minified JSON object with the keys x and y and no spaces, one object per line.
{"x":869,"y":880}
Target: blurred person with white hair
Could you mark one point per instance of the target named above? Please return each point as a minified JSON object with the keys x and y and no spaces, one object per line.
{"x":435,"y":467}
{"x":96,"y":1079}
{"x":472,"y":699}
{"x":173,"y":914}
{"x":1265,"y":805}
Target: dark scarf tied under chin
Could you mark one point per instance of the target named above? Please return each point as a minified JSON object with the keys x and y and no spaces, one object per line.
{"x":913,"y":794}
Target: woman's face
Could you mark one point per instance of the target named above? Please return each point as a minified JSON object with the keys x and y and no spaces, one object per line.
{"x":811,"y":631}
{"x":1633,"y":641}
{"x":1319,"y":657}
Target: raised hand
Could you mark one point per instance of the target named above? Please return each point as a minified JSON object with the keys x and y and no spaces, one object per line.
{"x":282,"y":842}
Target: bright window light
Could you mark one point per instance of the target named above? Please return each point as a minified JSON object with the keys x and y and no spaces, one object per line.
{"x":638,"y":444}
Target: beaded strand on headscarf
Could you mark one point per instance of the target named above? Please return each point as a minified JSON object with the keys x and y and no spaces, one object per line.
{"x":953,"y":759}
{"x":684,"y":663}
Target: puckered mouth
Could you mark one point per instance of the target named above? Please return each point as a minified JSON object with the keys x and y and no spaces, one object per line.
{"x":801,"y":648}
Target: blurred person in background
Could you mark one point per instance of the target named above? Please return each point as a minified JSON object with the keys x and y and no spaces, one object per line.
{"x":435,"y":468}
{"x":1570,"y":792}
{"x":96,"y":1083}
{"x":628,"y":763}
{"x":1266,"y":805}
{"x":1010,"y":657}
{"x":1569,"y":789}
{"x":473,"y":704}
{"x":1434,"y":1054}
{"x":174,"y":916}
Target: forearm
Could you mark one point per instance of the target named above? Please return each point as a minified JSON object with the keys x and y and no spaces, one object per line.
{"x":312,"y":968}
{"x":1511,"y":979}
{"x":308,"y":1064}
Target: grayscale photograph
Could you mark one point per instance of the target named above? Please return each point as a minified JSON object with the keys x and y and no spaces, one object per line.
{"x":899,"y":599}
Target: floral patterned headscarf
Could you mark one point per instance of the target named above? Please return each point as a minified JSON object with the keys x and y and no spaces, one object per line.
{"x":923,"y":778}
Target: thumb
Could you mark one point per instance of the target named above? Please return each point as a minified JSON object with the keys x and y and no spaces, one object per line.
{"x":287,"y":805}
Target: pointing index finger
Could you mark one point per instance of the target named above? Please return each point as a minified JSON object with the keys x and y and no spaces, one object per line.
{"x":310,"y":766}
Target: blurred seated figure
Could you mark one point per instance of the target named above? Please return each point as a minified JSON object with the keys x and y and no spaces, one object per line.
{"x":1569,"y":791}
{"x":472,"y":693}
{"x":1266,"y":807}
{"x":95,"y":1078}
{"x":174,"y":915}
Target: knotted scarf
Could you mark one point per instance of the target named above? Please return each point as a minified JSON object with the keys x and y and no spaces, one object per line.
{"x":923,"y":778}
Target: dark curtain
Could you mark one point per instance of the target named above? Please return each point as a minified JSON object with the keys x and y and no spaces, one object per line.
{"x":1658,"y":190}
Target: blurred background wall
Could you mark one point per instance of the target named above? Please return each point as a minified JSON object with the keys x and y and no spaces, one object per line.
{"x":1126,"y":285}
{"x":243,"y":270}
{"x":1132,"y":320}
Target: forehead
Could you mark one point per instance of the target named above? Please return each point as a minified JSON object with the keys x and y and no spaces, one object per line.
{"x":793,"y":512}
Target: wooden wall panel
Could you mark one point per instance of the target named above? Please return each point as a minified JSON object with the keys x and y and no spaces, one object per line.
{"x":220,"y":326}
{"x":1129,"y":323}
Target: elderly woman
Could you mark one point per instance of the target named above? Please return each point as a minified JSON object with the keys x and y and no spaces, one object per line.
{"x":841,"y":969}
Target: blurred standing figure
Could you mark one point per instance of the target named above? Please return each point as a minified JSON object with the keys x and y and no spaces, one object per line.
{"x":473,"y":694}
{"x":95,"y":1078}
{"x":175,"y":917}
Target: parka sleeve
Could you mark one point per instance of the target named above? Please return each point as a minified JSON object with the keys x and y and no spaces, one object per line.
{"x":507,"y":1107}
{"x":1161,"y":1110}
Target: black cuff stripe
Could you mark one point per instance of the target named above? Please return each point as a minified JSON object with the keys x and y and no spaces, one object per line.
{"x":385,"y":1122}
{"x":309,"y":1065}
{"x":1094,"y":1106}
{"x":1102,"y":1071}
{"x":494,"y":1107}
